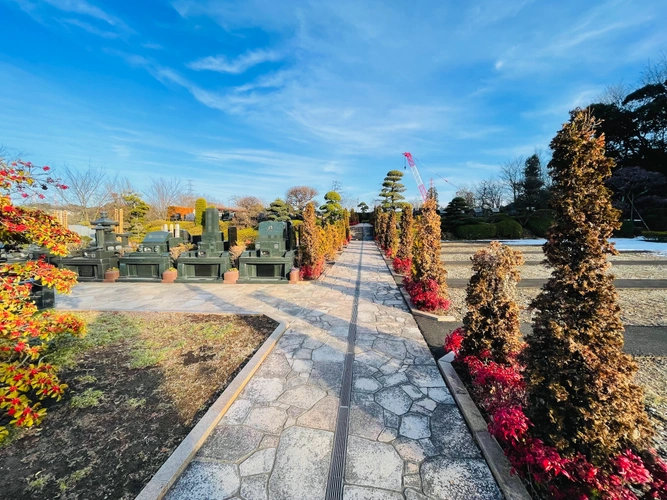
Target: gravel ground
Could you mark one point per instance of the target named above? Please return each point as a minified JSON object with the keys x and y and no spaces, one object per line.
{"x":652,"y":376}
{"x":638,"y":307}
{"x":467,"y":253}
{"x":619,"y":270}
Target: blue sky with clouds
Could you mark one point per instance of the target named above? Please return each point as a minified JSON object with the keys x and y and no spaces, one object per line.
{"x":254,"y":96}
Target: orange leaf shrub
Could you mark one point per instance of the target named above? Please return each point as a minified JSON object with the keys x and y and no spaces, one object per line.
{"x":24,"y":332}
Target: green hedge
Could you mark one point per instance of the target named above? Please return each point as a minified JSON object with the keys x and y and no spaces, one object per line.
{"x":508,"y":228}
{"x":627,"y":230}
{"x":660,"y":236}
{"x":481,"y":231}
{"x":539,"y":226}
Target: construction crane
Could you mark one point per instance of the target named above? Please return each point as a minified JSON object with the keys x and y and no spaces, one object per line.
{"x":418,"y":178}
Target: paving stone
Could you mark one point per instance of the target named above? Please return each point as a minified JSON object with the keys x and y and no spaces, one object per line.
{"x":366,"y":384}
{"x":450,"y":434}
{"x":360,"y":493}
{"x":458,"y":479}
{"x":238,"y":411}
{"x":411,"y":468}
{"x":425,"y":375}
{"x":412,"y":481}
{"x":370,"y":463}
{"x":231,"y":443}
{"x":387,"y":435}
{"x":411,"y":494}
{"x":304,"y":396}
{"x":393,"y":348}
{"x":395,"y":379}
{"x":327,"y":376}
{"x":302,"y":365}
{"x":254,"y":488}
{"x":263,"y":389}
{"x":394,"y":399}
{"x":260,"y":462}
{"x":274,"y":366}
{"x":296,"y":381}
{"x":204,"y":480}
{"x":268,"y":419}
{"x":328,"y":353}
{"x":366,"y":420}
{"x":391,"y":420}
{"x":371,"y":358}
{"x":392,"y":366}
{"x":269,"y":442}
{"x":415,"y":426}
{"x":303,"y":354}
{"x":412,"y":391}
{"x":322,"y":415}
{"x":414,"y":451}
{"x":441,"y":395}
{"x":302,"y":464}
{"x":426,"y":403}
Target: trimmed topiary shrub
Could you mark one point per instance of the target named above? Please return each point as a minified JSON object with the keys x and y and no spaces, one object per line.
{"x":509,"y":229}
{"x":492,"y":323}
{"x":200,"y":208}
{"x":581,"y":395}
{"x":539,"y":225}
{"x":403,"y":261}
{"x":310,"y":255}
{"x":655,"y":236}
{"x":481,"y":231}
{"x":391,"y":238}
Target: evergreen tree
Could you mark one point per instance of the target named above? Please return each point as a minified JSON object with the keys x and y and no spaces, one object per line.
{"x":456,"y":214}
{"x":426,"y":254}
{"x":391,"y":190}
{"x":332,"y":211}
{"x":363,"y":207}
{"x":581,"y":394}
{"x":200,"y":208}
{"x":278,"y":210}
{"x":391,"y":237}
{"x":433,"y":194}
{"x":137,"y":210}
{"x":532,"y":196}
{"x":310,"y":254}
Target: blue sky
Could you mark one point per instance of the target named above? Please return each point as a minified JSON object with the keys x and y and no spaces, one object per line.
{"x":255,"y":96}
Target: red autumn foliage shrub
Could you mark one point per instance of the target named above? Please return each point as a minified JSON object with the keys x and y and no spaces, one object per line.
{"x":426,"y":295}
{"x":402,"y":266}
{"x":311,"y":272}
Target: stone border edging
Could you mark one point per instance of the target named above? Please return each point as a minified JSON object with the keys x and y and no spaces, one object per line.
{"x":174,"y":466}
{"x":510,"y":485}
{"x":406,"y":297}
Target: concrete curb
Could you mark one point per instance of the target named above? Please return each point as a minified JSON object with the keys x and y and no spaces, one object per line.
{"x":171,"y":470}
{"x":510,"y":485}
{"x":406,"y":297}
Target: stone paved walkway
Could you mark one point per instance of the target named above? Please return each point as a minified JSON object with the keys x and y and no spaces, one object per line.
{"x":406,"y":440}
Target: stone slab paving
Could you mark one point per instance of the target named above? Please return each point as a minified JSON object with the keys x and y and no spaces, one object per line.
{"x":407,"y":439}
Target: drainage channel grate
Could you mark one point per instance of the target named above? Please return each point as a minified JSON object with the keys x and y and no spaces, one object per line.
{"x":337,"y":469}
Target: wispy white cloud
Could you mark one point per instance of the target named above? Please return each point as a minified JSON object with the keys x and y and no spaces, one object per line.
{"x":90,"y":28}
{"x":241,"y":64}
{"x":84,"y":8}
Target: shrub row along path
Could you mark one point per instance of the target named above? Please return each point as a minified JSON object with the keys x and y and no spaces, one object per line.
{"x":400,"y":436}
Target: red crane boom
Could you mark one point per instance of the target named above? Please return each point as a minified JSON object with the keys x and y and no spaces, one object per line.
{"x":418,"y":178}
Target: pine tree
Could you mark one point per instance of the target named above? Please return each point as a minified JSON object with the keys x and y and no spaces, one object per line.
{"x":332,"y":210}
{"x":200,"y":208}
{"x":391,"y":190}
{"x":456,"y":214}
{"x":278,"y":210}
{"x":581,"y":394}
{"x":492,"y":322}
{"x":532,"y":195}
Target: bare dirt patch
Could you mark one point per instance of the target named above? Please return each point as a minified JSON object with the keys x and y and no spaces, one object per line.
{"x":138,"y":384}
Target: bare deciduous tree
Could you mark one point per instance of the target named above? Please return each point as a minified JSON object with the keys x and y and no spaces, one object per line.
{"x":249,"y":209}
{"x":298,"y":197}
{"x":511,"y":174}
{"x":161,"y":193}
{"x":468,"y":194}
{"x":489,"y":194}
{"x":87,"y":190}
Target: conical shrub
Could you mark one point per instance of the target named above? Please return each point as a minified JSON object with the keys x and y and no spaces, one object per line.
{"x":581,"y":394}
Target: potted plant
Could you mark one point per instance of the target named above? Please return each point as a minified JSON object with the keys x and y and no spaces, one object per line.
{"x":169,"y":276}
{"x":231,"y":276}
{"x":111,"y":275}
{"x":294,"y":276}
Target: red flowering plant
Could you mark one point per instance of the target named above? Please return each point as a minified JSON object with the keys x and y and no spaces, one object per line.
{"x":25,"y":375}
{"x":426,"y":295}
{"x":402,"y":266}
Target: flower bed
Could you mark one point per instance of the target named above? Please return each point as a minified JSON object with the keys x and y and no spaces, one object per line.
{"x":138,"y":383}
{"x":500,"y":392}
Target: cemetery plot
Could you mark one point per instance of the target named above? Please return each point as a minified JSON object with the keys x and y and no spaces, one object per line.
{"x":138,"y":383}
